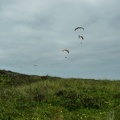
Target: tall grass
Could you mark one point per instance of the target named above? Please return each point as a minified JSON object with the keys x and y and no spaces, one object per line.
{"x":52,"y":98}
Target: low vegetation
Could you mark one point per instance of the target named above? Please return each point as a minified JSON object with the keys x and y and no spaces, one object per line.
{"x":30,"y":97}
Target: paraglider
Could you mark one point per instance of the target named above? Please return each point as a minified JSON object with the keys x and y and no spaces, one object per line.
{"x":35,"y":65}
{"x":65,"y":50}
{"x":79,"y":36}
{"x":78,"y":28}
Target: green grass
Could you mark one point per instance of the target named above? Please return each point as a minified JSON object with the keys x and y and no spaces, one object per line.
{"x":25,"y":97}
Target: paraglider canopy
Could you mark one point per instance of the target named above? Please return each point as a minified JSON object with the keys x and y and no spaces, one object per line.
{"x":78,"y":28}
{"x":65,"y":50}
{"x":79,"y":36}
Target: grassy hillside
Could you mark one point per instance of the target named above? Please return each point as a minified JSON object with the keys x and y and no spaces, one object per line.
{"x":25,"y":97}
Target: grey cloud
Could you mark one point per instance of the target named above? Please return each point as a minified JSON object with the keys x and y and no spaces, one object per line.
{"x":35,"y":32}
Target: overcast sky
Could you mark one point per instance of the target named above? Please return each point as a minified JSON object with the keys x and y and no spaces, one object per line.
{"x":33,"y":34}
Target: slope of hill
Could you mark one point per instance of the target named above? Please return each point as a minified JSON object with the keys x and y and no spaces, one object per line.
{"x":31,"y":97}
{"x":14,"y":78}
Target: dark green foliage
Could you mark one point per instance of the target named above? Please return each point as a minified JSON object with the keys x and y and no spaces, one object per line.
{"x":95,"y":102}
{"x":117,"y":96}
{"x":69,"y":99}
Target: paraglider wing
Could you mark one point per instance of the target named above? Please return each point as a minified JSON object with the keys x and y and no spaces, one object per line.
{"x":78,"y":28}
{"x":35,"y":65}
{"x":65,"y":50}
{"x":79,"y":36}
